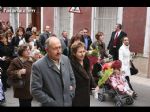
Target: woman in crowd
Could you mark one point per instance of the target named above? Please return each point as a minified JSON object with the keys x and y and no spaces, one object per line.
{"x":17,"y":40}
{"x":100,"y":46}
{"x":9,"y":35}
{"x":9,"y":26}
{"x":35,"y":36}
{"x":84,"y":80}
{"x":5,"y":54}
{"x":99,"y":43}
{"x":125,"y":57}
{"x":20,"y":68}
{"x":75,"y":38}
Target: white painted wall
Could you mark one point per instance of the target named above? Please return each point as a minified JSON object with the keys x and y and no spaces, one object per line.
{"x":42,"y":19}
{"x":14,"y":19}
{"x":147,"y":35}
{"x":63,"y":21}
{"x":120,"y":15}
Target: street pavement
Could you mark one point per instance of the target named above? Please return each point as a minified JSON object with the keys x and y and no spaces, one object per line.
{"x":140,"y":84}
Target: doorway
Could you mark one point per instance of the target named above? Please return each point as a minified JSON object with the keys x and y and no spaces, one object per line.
{"x":36,"y":18}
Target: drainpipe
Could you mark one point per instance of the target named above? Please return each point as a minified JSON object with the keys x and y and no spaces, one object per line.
{"x":147,"y":40}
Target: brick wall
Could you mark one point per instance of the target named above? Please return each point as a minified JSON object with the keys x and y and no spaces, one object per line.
{"x":82,"y":20}
{"x":134,"y":21}
{"x":22,"y":17}
{"x":48,"y":17}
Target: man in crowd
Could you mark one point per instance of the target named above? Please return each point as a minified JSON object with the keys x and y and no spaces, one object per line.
{"x":65,"y":43}
{"x":86,"y":39}
{"x":116,"y":41}
{"x":52,"y":78}
{"x":43,"y":37}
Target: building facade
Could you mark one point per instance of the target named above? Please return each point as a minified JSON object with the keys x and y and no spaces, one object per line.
{"x":135,"y":21}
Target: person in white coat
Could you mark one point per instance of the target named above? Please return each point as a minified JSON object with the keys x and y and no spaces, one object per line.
{"x":125,"y":57}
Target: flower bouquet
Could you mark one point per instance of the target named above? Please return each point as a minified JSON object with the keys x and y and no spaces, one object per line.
{"x":106,"y":72}
{"x":93,"y":56}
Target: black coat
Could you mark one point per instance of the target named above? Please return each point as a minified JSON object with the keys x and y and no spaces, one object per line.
{"x":119,"y":42}
{"x":89,"y":41}
{"x":15,"y":41}
{"x":84,"y":82}
{"x":43,"y":37}
{"x":5,"y":50}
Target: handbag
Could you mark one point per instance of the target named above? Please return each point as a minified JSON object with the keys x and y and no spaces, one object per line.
{"x":133,"y":70}
{"x":16,"y":83}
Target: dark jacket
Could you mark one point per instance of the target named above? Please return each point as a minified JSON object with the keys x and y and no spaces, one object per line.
{"x":5,"y":50}
{"x":84,"y":82}
{"x":17,"y":64}
{"x":101,"y":47}
{"x":119,"y":42}
{"x":43,"y":37}
{"x":14,"y":43}
{"x":65,"y":48}
{"x":89,"y":41}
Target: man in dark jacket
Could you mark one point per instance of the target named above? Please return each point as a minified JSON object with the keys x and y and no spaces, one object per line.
{"x":86,"y":39}
{"x":116,"y":41}
{"x":43,"y":37}
{"x":65,"y":43}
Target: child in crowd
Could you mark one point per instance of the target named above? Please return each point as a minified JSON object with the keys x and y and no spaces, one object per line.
{"x":117,"y":79}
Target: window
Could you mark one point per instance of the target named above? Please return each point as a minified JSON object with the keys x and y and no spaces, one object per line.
{"x":104,"y":20}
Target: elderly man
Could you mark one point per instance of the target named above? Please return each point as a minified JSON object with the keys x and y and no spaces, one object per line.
{"x":52,"y":78}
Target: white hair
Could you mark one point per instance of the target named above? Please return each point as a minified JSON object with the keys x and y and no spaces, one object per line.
{"x":34,"y":29}
{"x":34,"y":52}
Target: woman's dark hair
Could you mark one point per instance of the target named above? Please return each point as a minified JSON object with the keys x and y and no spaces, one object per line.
{"x":20,"y":29}
{"x":123,"y":38}
{"x":74,"y":38}
{"x":98,"y":35}
{"x":8,"y":32}
{"x":27,"y":36}
{"x":22,"y":48}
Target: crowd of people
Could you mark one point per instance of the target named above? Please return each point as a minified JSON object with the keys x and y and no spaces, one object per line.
{"x":56,"y":70}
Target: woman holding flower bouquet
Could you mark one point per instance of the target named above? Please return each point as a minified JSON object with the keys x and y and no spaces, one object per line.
{"x":99,"y":48}
{"x":84,"y":79}
{"x":100,"y":45}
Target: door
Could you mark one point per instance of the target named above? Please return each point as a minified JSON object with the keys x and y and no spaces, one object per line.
{"x":36,"y":18}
